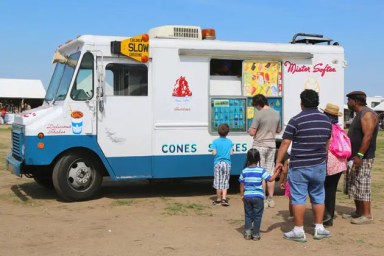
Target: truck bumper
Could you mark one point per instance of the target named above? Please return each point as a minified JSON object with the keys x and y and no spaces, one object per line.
{"x":14,"y":165}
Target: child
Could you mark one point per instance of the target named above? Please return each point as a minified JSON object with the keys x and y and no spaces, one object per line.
{"x":222,"y":150}
{"x":252,"y":193}
{"x":285,"y":185}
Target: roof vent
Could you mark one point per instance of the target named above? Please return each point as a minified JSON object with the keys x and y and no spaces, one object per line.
{"x":304,"y":38}
{"x":178,"y":32}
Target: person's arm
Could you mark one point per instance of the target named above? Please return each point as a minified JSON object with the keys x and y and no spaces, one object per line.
{"x":232,"y":151}
{"x":252,"y":131}
{"x":284,"y":175}
{"x":242,"y":191}
{"x":278,"y":128}
{"x":214,"y":152}
{"x":368,"y":124}
{"x":275,"y":175}
{"x":280,"y":154}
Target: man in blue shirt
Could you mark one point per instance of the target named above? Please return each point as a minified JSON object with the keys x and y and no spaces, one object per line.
{"x":309,"y":132}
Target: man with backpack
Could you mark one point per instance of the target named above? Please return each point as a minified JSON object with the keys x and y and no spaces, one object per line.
{"x":363,"y":133}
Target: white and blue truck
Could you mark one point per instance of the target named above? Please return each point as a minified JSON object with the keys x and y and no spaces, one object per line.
{"x":148,"y":106}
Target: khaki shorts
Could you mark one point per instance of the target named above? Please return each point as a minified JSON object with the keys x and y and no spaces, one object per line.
{"x":267,"y":158}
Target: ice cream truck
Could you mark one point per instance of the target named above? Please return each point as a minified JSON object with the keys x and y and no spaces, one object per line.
{"x":148,"y":106}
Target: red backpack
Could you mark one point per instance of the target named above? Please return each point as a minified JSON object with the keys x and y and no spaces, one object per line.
{"x":340,"y":144}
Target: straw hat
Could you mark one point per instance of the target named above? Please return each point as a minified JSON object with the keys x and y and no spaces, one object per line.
{"x":332,"y":110}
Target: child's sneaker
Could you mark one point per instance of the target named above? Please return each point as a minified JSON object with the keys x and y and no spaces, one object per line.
{"x":295,"y":236}
{"x":216,"y":202}
{"x":256,"y":237}
{"x":321,"y":233}
{"x":271,"y":203}
{"x":247,"y":234}
{"x":224,"y":202}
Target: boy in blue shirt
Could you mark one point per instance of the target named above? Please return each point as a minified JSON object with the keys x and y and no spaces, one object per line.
{"x":222,"y":150}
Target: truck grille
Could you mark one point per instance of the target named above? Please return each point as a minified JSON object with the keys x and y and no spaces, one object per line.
{"x":17,"y":141}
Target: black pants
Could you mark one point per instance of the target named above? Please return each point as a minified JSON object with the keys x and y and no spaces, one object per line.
{"x":330,"y":186}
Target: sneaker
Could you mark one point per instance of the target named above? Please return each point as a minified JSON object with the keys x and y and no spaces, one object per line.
{"x":362,"y":220}
{"x":295,"y":236}
{"x":351,"y":215}
{"x":321,"y":233}
{"x":256,"y":237}
{"x":216,"y":202}
{"x":247,"y":234}
{"x":271,"y":203}
{"x":265,"y":204}
{"x":224,"y":202}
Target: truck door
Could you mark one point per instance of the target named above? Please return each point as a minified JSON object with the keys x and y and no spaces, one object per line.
{"x":124,"y":121}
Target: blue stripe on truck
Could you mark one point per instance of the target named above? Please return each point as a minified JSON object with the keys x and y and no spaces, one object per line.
{"x":121,"y":168}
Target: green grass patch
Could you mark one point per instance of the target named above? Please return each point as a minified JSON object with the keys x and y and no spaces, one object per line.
{"x":123,"y":202}
{"x":183,"y":209}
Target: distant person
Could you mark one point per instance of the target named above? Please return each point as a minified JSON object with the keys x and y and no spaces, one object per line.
{"x":309,"y":132}
{"x":3,"y":113}
{"x":265,"y":125}
{"x":222,"y":150}
{"x":336,"y":165}
{"x":363,"y":133}
{"x":252,"y":193}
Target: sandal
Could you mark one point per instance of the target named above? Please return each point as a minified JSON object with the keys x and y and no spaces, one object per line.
{"x":216,"y":202}
{"x":224,"y":202}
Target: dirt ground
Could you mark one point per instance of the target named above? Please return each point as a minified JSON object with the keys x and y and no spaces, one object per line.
{"x":161,"y":218}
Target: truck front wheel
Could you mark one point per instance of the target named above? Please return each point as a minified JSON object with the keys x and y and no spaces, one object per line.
{"x":76,"y":176}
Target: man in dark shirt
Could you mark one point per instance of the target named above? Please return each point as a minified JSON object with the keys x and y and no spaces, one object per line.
{"x":362,"y":132}
{"x":309,"y":132}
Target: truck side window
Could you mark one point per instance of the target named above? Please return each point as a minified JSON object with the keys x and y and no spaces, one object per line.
{"x":126,"y":79}
{"x":83,"y":85}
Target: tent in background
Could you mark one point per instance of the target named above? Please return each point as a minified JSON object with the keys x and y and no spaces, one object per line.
{"x":17,"y":95}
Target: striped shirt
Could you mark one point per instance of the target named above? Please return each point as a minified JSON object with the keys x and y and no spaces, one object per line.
{"x":252,"y":178}
{"x":309,"y":132}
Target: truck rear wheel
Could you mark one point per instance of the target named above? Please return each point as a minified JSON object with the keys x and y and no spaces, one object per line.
{"x":76,"y":176}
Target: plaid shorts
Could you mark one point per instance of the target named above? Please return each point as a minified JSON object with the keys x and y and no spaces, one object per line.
{"x":221,"y":174}
{"x":357,"y":183}
{"x":267,"y":158}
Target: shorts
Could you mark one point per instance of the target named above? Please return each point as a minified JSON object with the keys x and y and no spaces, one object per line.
{"x":307,"y":181}
{"x":221,"y":174}
{"x":267,"y":158}
{"x":358,"y":182}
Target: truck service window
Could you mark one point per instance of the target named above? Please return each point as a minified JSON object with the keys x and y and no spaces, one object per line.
{"x":127,"y":79}
{"x":219,"y":67}
{"x":83,"y":86}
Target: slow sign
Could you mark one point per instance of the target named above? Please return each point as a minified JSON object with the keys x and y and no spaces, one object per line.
{"x":136,"y":47}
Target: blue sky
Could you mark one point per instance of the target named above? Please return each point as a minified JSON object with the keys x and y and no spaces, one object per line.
{"x":30,"y":31}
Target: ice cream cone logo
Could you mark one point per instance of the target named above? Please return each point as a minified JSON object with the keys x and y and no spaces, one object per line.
{"x":181,"y":88}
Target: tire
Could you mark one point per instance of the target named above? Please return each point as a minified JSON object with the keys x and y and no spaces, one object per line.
{"x":76,"y":176}
{"x":44,"y":179}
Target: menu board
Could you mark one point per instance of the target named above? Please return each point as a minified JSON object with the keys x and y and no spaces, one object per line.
{"x":230,"y":111}
{"x":275,"y":103}
{"x":262,"y":77}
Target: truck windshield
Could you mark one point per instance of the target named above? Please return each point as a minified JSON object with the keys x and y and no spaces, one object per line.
{"x":61,"y":78}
